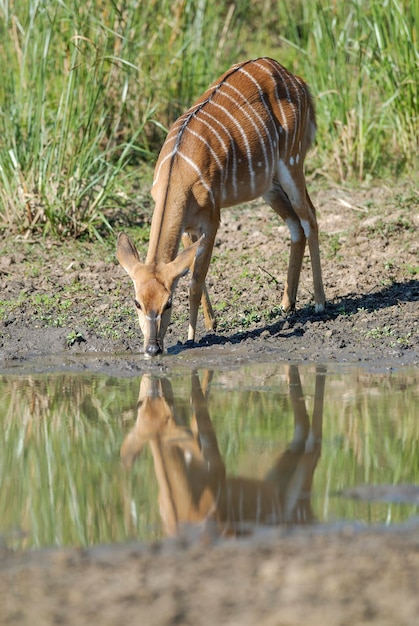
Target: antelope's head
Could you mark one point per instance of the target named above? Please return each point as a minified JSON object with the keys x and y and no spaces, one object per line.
{"x":155,"y":414}
{"x":154,"y":284}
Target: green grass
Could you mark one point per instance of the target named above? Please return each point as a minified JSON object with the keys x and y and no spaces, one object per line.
{"x":89,"y":89}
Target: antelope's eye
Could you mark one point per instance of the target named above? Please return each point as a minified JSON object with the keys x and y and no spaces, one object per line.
{"x":168,"y":304}
{"x":137,"y":304}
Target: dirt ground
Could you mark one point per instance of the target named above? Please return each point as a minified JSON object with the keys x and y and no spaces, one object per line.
{"x":293,"y":578}
{"x":68,"y":306}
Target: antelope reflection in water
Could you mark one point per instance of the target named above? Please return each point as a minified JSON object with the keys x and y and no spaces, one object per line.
{"x":191,"y":474}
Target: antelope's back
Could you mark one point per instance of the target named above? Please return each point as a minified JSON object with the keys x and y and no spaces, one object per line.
{"x":225,"y":148}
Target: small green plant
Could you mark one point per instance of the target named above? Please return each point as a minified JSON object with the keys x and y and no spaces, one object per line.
{"x":74,"y":337}
{"x":342,"y":310}
{"x":221,"y":306}
{"x":403,"y":341}
{"x":333,"y":246}
{"x":250,"y":317}
{"x":54,"y":320}
{"x":4,"y":309}
{"x":412,"y":270}
{"x":274,"y":313}
{"x":379,"y":332}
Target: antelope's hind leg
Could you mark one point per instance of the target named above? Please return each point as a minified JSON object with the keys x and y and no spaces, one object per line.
{"x":278,"y":200}
{"x":313,"y":244}
{"x":291,"y":201}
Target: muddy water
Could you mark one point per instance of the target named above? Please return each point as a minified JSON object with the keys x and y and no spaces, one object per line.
{"x":90,"y":459}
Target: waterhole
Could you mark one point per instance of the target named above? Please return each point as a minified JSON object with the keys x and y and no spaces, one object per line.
{"x":91,"y":459}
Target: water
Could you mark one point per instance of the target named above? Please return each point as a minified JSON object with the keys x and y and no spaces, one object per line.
{"x":89,"y":459}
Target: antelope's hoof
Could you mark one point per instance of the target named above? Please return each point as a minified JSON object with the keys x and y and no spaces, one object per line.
{"x":286,"y":309}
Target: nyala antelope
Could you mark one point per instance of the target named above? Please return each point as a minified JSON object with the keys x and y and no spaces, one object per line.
{"x":246,"y":136}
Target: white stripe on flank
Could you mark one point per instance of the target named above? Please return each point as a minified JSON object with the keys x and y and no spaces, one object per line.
{"x":232,"y":149}
{"x":208,"y":145}
{"x":282,"y":120}
{"x":297,"y":116}
{"x":212,"y":129}
{"x":262,"y":137}
{"x":282,"y":111}
{"x":262,"y":97}
{"x":255,"y":126}
{"x":223,"y":168}
{"x":246,"y":141}
{"x":198,"y":171}
{"x":168,"y":156}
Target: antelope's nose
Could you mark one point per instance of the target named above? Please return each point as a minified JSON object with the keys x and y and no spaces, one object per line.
{"x":153,"y":349}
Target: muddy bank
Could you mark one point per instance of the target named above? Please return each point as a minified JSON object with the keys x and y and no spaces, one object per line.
{"x":324,"y":577}
{"x":68,"y":306}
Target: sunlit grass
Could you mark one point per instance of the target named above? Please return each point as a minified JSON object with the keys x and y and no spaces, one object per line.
{"x":361,"y":59}
{"x":88,"y":91}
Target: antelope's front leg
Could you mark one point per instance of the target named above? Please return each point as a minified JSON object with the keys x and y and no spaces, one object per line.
{"x":209,"y":315}
{"x":197,"y":287}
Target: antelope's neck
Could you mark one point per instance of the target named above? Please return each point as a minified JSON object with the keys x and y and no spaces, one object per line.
{"x":167,"y":224}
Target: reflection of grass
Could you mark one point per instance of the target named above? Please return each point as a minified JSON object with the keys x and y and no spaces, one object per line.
{"x":374,"y":434}
{"x":370,"y":432}
{"x":61,"y":478}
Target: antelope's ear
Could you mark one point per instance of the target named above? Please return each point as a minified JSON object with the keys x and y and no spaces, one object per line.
{"x":132,"y":447}
{"x":184,"y":260}
{"x":127,"y":253}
